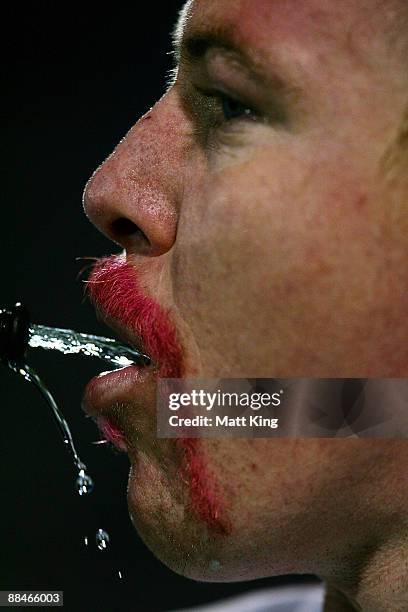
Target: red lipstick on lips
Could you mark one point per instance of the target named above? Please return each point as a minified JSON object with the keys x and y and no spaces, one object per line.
{"x":111,"y":433}
{"x":115,"y":291}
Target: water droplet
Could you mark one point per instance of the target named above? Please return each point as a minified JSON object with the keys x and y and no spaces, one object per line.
{"x":102,"y":539}
{"x":84,"y":483}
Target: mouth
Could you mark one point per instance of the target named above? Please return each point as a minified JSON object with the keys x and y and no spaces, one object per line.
{"x":126,"y":336}
{"x":123,"y":402}
{"x":111,"y":399}
{"x":117,"y":400}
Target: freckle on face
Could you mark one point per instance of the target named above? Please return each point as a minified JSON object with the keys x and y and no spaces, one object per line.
{"x":361,"y":201}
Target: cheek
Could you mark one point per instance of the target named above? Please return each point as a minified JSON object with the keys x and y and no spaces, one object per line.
{"x":288,"y":265}
{"x":259,"y":253}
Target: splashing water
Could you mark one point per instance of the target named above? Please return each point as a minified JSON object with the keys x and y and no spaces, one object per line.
{"x":67,"y":341}
{"x":16,"y":334}
{"x":102,"y":539}
{"x":31,"y":376}
{"x":84,"y":483}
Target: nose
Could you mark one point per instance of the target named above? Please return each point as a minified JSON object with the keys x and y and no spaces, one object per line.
{"x":134,"y":196}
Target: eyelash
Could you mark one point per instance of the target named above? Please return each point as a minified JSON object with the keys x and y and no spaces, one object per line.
{"x":218,"y":119}
{"x":229,"y":105}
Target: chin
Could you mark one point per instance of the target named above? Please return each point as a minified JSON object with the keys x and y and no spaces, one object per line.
{"x":186,"y":545}
{"x":159,"y":511}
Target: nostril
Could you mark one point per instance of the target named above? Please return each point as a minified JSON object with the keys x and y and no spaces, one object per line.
{"x":125,"y":227}
{"x":130,"y":235}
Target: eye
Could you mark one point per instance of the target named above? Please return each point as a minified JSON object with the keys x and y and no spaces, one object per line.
{"x":232,"y":109}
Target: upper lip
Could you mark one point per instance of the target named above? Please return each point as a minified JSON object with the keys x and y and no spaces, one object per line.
{"x":122,"y":332}
{"x":121,"y":301}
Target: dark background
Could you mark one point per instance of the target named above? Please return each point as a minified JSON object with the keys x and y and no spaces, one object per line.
{"x":74,"y":80}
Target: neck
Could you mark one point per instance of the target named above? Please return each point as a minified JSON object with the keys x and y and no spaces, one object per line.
{"x":382,"y":581}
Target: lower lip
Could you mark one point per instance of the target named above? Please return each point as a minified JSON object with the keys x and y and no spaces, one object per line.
{"x":136,"y":385}
{"x":111,"y":433}
{"x":104,"y":391}
{"x":109,"y":387}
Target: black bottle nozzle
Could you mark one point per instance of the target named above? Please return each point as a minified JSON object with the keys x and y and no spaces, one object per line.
{"x":14,"y":333}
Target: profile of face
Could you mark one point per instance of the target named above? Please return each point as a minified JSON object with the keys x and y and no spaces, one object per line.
{"x":261,"y":207}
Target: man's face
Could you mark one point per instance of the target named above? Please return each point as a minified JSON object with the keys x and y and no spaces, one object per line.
{"x":252,"y":204}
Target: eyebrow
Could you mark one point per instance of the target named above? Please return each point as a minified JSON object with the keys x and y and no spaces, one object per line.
{"x":191,"y":47}
{"x":196,"y":43}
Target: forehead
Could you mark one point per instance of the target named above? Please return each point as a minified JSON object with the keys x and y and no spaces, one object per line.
{"x":305,"y":27}
{"x":256,"y":17}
